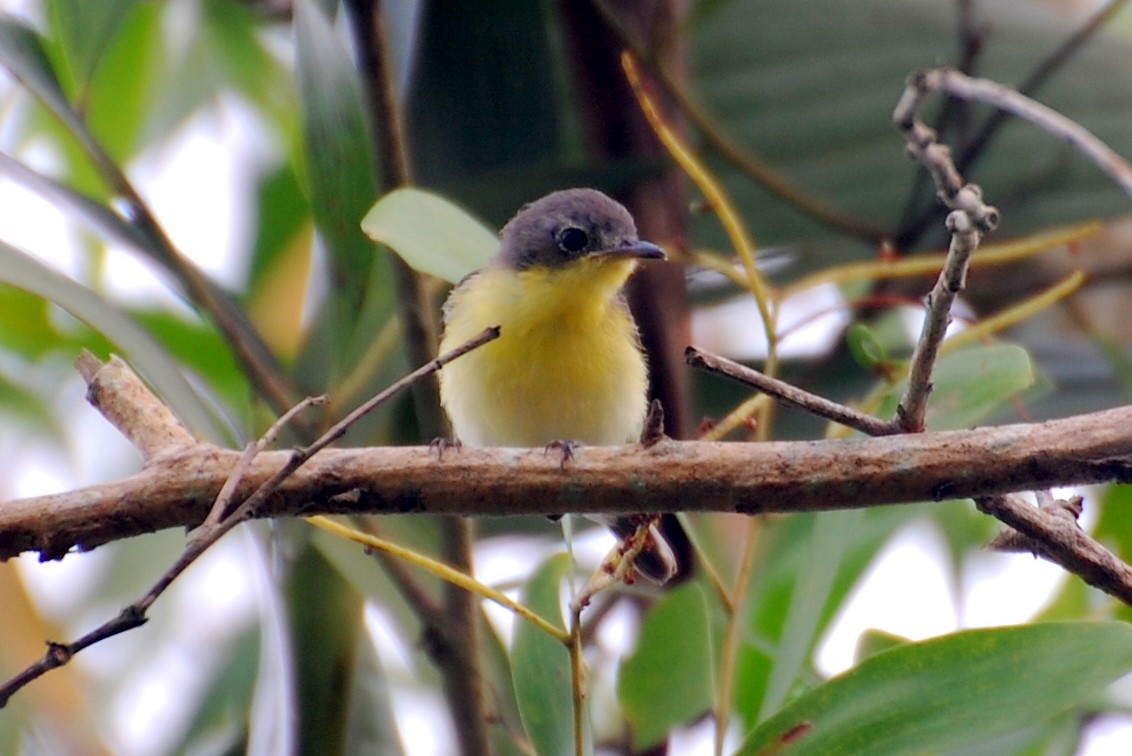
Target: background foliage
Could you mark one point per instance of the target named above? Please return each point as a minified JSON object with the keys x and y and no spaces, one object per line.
{"x":290,"y":640}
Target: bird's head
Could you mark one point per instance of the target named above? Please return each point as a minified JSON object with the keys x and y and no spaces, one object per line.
{"x":571,"y":226}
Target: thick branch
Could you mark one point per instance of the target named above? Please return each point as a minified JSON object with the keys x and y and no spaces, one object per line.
{"x":669,"y":476}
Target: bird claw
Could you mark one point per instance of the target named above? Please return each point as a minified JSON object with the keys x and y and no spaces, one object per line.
{"x":440,"y":444}
{"x":565,"y":447}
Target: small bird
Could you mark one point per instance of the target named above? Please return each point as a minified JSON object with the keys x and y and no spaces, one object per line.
{"x":568,"y":365}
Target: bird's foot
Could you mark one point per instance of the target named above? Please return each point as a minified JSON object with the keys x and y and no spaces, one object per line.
{"x":440,"y":444}
{"x":565,"y":448}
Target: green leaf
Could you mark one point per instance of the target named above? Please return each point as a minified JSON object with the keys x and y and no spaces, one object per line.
{"x":78,"y":205}
{"x":541,"y":666}
{"x":950,"y":692}
{"x":873,"y":642}
{"x":430,"y":233}
{"x":769,"y":662}
{"x":18,"y":403}
{"x":815,"y":583}
{"x":761,"y":68}
{"x":22,"y":52}
{"x":867,"y":349}
{"x":971,"y":384}
{"x":326,"y":624}
{"x":127,"y":79}
{"x":340,"y":177}
{"x":86,"y":30}
{"x":665,"y":682}
{"x":143,"y":352}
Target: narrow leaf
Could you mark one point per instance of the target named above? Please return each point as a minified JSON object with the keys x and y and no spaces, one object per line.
{"x":141,"y":349}
{"x":541,"y":666}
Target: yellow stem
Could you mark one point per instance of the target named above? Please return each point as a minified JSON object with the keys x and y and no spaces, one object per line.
{"x":731,"y":638}
{"x":992,"y":254}
{"x":1015,"y":314}
{"x":442,"y":571}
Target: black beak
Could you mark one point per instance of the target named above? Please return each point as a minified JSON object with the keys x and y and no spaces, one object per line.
{"x":640,"y":249}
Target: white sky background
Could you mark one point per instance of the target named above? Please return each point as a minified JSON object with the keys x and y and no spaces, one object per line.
{"x":202,"y":173}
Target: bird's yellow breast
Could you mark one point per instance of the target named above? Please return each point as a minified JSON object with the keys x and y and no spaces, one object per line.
{"x":567,"y":365}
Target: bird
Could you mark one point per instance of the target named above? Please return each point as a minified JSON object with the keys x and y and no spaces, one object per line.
{"x":568,"y":366}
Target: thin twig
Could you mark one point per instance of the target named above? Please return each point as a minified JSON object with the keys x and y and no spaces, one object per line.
{"x":968,"y":220}
{"x":221,"y":508}
{"x":1053,"y":533}
{"x":135,"y":614}
{"x":976,"y":146}
{"x":789,"y":395}
{"x":956,"y":84}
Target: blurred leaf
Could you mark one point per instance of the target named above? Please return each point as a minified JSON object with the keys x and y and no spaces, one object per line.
{"x":814,"y":586}
{"x":873,"y":641}
{"x":970,"y":384}
{"x":430,"y":233}
{"x":116,"y":107}
{"x":232,"y":43}
{"x":225,"y":706}
{"x":541,"y":665}
{"x":866,"y":348}
{"x":23,"y":54}
{"x":276,"y":305}
{"x":26,"y":325}
{"x":664,"y":682}
{"x":143,"y":352}
{"x":86,"y":30}
{"x":763,"y":68}
{"x":1114,"y":528}
{"x":198,"y":347}
{"x":372,"y":726}
{"x":58,"y":699}
{"x":282,"y":212}
{"x":953,"y":691}
{"x":339,"y":161}
{"x":784,"y":549}
{"x":78,"y":205}
{"x":326,"y":623}
{"x":18,"y":404}
{"x":469,"y":113}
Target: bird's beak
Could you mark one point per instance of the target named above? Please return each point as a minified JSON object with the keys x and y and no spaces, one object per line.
{"x":642,"y":250}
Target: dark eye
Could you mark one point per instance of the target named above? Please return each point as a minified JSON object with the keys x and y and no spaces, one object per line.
{"x":573,"y":240}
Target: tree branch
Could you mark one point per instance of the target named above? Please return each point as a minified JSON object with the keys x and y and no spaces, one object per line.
{"x":176,"y":488}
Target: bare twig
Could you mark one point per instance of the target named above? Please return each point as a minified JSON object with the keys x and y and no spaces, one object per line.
{"x":129,"y":406}
{"x":217,"y":524}
{"x":969,"y":219}
{"x":788,"y":395}
{"x":222,"y":507}
{"x":955,"y":84}
{"x":965,"y":237}
{"x":1052,"y":532}
{"x":976,"y":146}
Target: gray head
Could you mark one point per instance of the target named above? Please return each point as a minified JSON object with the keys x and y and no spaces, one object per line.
{"x":569,"y":225}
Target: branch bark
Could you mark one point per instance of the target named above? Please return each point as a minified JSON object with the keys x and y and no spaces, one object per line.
{"x":176,"y":489}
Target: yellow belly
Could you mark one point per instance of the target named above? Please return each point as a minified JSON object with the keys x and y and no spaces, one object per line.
{"x":567,"y":365}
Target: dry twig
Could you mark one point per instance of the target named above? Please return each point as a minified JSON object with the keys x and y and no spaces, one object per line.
{"x":124,"y":399}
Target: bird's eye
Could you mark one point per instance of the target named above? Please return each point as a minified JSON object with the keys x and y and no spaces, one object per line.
{"x":573,"y":240}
